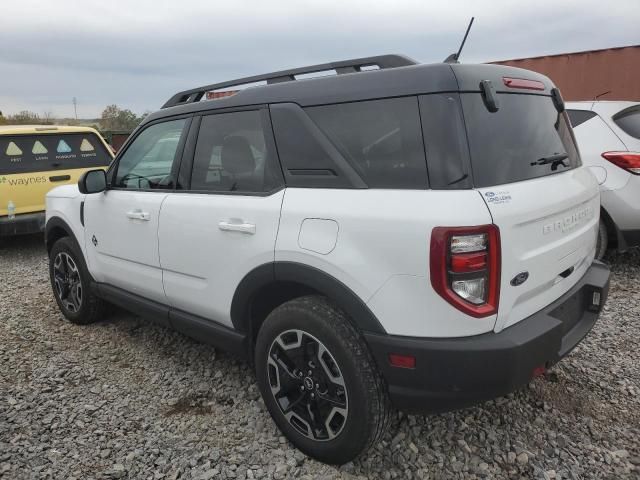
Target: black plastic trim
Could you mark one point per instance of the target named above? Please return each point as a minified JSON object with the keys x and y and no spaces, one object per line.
{"x":22,"y":224}
{"x":56,"y":222}
{"x":133,"y":303}
{"x":306,"y":276}
{"x":198,"y":328}
{"x":454,"y":373}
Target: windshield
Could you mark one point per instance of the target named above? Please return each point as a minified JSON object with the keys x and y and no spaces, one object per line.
{"x":526,"y":138}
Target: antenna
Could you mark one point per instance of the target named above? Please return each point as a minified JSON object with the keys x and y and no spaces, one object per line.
{"x":602,"y":94}
{"x":453,"y":58}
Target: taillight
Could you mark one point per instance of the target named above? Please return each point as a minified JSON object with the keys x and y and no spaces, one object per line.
{"x":465,"y":267}
{"x":630,"y":161}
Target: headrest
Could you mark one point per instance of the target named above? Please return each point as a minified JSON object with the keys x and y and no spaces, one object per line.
{"x":236,"y":156}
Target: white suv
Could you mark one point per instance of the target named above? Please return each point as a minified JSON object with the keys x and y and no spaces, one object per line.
{"x":419,"y":237}
{"x":608,"y":136}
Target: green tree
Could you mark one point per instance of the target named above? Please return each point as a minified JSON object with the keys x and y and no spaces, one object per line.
{"x":113,"y":118}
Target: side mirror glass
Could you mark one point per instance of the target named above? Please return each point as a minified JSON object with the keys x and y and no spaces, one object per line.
{"x":93,"y":181}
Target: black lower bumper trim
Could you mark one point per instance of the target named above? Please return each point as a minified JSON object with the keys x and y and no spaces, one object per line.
{"x":454,"y":373}
{"x":22,"y":224}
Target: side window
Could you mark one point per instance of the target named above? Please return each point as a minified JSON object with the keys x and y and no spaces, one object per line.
{"x":147,"y":163}
{"x":380,"y":138}
{"x":578,"y":117}
{"x":233,"y":155}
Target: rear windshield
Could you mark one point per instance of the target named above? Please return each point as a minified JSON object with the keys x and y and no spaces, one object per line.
{"x":526,"y":138}
{"x":38,"y":153}
{"x":629,"y":121}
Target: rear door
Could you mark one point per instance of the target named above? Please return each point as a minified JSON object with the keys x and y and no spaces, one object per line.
{"x":527,"y":169}
{"x":225,"y":223}
{"x":31,"y":165}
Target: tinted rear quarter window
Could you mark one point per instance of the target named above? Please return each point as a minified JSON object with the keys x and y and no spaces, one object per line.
{"x":380,"y":138}
{"x":629,"y":121}
{"x":37,"y":153}
{"x":445,"y":141}
{"x":507,"y":146}
{"x":578,"y":117}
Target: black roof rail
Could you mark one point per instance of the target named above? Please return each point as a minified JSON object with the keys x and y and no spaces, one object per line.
{"x":344,"y":66}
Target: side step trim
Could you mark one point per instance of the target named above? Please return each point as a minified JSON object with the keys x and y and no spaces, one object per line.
{"x":201,"y":329}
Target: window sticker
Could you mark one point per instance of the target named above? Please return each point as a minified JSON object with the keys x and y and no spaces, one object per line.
{"x":63,"y":147}
{"x":13,"y":150}
{"x":86,"y":146}
{"x":39,"y":148}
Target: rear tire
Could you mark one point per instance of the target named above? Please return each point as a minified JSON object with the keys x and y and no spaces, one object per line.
{"x":603,"y":241}
{"x":71,"y":284}
{"x":319,"y":381}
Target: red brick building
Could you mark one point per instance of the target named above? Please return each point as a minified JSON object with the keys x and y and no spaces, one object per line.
{"x":590,"y":74}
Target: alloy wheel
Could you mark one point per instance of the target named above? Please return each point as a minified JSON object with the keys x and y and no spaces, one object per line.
{"x":307,"y":384}
{"x":67,"y":281}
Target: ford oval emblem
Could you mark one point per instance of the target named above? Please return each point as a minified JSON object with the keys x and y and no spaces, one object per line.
{"x":519,"y":279}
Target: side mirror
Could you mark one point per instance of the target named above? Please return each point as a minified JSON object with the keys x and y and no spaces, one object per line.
{"x":93,"y":181}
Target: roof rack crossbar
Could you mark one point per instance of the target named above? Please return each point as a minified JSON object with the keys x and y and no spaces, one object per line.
{"x":341,"y":67}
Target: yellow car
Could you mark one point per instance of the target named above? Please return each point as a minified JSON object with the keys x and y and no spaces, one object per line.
{"x":33,"y":160}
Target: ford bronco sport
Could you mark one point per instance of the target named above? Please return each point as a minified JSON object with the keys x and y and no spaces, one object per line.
{"x":396,"y":235}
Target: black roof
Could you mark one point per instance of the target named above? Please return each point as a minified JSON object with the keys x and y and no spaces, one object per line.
{"x":397,"y":76}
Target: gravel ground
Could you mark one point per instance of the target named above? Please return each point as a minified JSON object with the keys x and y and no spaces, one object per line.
{"x":127,"y":399}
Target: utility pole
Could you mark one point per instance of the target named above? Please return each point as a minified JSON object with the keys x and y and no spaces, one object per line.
{"x":75,"y":107}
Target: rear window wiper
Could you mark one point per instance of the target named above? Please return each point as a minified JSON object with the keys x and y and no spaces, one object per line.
{"x":555,"y":160}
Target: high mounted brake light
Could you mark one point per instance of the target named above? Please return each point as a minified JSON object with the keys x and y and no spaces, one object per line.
{"x":465,"y":267}
{"x":630,"y":161}
{"x":220,"y":94}
{"x":522,"y":83}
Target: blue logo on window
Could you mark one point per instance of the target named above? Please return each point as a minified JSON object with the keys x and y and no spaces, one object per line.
{"x":63,"y":147}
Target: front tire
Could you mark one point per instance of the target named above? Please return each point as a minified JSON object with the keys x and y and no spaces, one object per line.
{"x":71,"y":284}
{"x":319,"y":381}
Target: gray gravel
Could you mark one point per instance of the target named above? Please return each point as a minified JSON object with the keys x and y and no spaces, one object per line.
{"x":127,"y":399}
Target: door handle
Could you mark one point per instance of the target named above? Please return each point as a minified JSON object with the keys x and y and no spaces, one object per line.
{"x":248,"y":228}
{"x":59,"y":178}
{"x":138,"y":215}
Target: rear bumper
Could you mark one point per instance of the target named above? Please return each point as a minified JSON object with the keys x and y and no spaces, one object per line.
{"x":22,"y":224}
{"x":453,"y":373}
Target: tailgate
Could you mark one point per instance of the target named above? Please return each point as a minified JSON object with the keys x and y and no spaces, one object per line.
{"x":548,"y":230}
{"x":546,"y":204}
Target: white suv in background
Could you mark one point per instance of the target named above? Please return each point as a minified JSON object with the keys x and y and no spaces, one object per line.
{"x":415,"y":236}
{"x":608,"y":136}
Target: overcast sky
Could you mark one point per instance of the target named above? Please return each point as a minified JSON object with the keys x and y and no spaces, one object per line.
{"x":137,"y":53}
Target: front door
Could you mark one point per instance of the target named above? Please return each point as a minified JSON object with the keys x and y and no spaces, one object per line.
{"x":226,"y":224}
{"x":121,"y":224}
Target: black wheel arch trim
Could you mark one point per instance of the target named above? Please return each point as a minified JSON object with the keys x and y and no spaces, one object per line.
{"x":57,"y":223}
{"x":306,"y":276}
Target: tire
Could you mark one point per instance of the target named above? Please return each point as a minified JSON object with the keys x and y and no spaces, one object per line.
{"x":71,"y":284}
{"x":603,"y":241}
{"x":342,"y":370}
